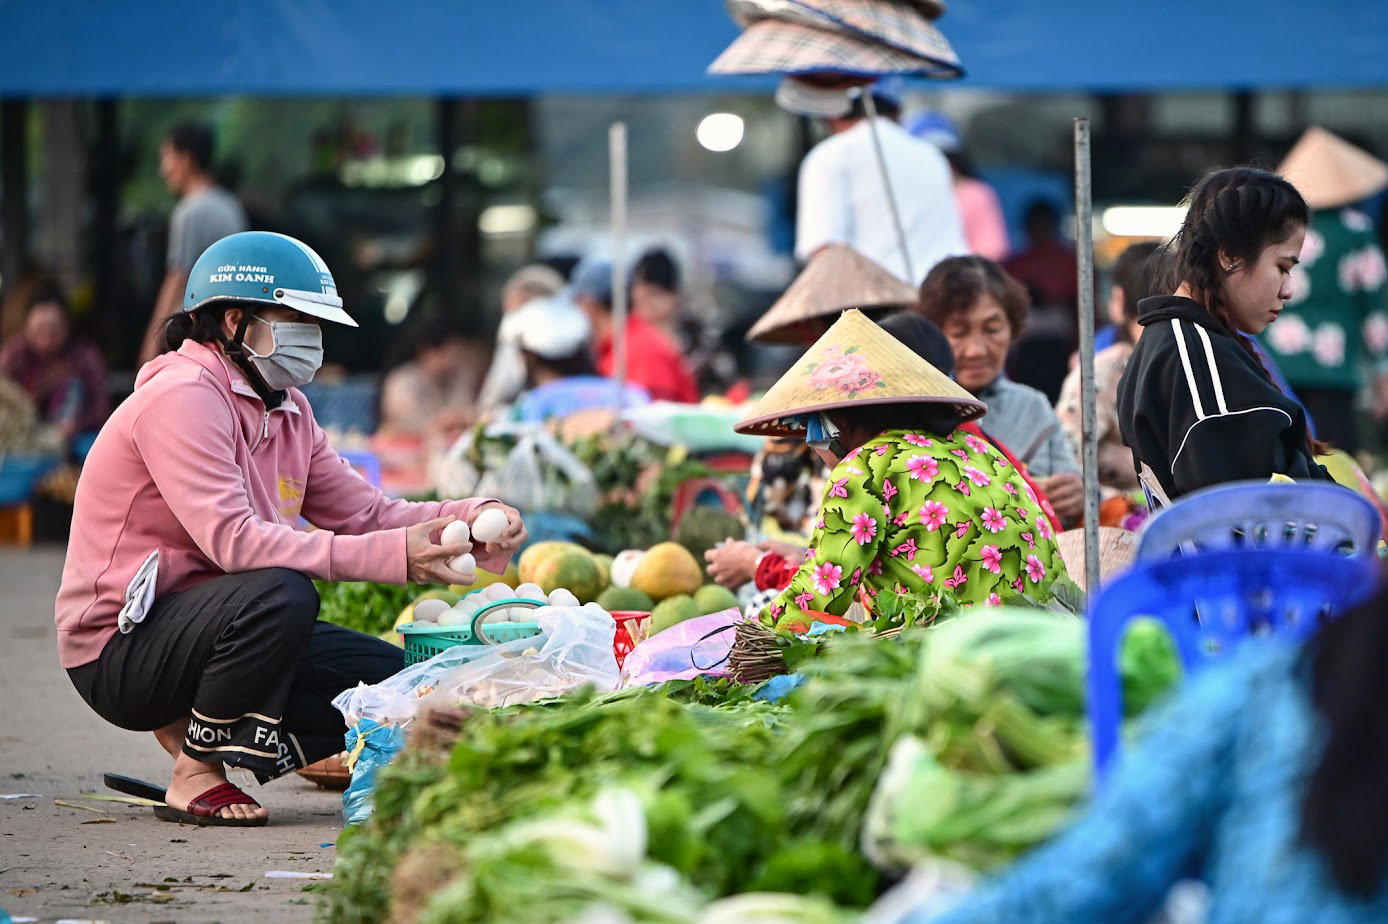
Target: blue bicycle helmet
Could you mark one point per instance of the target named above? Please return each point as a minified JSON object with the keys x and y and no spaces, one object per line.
{"x":261,"y":266}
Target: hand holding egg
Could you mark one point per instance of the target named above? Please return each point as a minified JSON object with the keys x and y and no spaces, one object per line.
{"x":499,"y":527}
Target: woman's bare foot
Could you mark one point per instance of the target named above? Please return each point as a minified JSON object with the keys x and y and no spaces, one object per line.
{"x":192,"y":778}
{"x":171,"y":736}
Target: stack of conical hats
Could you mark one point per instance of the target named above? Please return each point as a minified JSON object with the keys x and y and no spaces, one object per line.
{"x":1330,"y":172}
{"x":836,"y":278}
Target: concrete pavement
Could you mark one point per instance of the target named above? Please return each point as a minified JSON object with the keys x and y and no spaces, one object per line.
{"x":119,"y":863}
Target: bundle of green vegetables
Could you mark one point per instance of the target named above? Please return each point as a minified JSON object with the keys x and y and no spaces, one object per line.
{"x":736,"y":796}
{"x":363,"y":605}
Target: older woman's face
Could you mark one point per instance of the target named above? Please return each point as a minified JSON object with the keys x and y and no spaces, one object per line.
{"x":981,"y":337}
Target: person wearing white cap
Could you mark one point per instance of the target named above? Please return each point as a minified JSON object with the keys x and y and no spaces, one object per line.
{"x":843,"y":199}
{"x":554,"y":338}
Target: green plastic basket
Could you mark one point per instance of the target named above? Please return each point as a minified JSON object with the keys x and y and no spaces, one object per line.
{"x":424,"y":642}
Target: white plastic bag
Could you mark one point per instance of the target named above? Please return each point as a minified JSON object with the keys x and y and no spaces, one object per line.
{"x":576,"y":653}
{"x":537,"y":474}
{"x":573,"y":650}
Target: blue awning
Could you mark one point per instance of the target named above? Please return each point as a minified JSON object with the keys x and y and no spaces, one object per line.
{"x":61,"y":48}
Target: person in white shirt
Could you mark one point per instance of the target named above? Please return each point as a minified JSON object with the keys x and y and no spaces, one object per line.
{"x":843,"y":199}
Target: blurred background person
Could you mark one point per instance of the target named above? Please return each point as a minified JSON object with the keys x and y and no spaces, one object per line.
{"x":985,"y":226}
{"x":1332,"y":336}
{"x":1046,"y":264}
{"x":658,"y":298}
{"x":432,"y":391}
{"x":205,"y":214}
{"x":506,"y":375}
{"x":1132,"y":282}
{"x":555,"y":344}
{"x":653,"y":361}
{"x":65,"y":376}
{"x":1046,"y":267}
{"x":982,"y":311}
{"x":842,"y":199}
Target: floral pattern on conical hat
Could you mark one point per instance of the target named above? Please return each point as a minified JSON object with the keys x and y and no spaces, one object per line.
{"x":856,"y":362}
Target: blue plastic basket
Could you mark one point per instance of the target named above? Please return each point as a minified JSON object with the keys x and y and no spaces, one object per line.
{"x":20,"y":473}
{"x":423,"y":642}
{"x":1210,"y":603}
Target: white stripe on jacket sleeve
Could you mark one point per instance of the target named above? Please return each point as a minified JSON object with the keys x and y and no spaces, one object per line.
{"x":1190,"y":373}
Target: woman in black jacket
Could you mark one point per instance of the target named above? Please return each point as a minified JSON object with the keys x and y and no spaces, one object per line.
{"x":1196,"y":403}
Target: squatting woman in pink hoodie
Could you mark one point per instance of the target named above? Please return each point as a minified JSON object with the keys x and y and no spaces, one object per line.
{"x":187,"y":606}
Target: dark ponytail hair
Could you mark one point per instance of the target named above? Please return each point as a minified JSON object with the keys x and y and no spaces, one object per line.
{"x":1237,"y":211}
{"x":1345,"y":811}
{"x":203,"y":325}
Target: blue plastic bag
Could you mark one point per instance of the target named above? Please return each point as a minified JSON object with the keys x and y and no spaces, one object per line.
{"x":374,"y":746}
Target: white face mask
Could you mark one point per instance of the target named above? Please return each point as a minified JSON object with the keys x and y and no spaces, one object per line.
{"x":296,"y":355}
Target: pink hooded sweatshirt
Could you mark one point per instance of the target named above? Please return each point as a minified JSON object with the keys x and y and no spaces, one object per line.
{"x":192,"y":465}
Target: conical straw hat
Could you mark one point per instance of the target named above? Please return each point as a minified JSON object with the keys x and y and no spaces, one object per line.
{"x":1330,"y":172}
{"x":855,"y":363}
{"x":837,"y":277}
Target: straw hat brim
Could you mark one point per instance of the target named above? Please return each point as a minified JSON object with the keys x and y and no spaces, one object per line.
{"x":836,"y":278}
{"x":774,"y":46}
{"x":856,"y":363}
{"x":1329,"y":172}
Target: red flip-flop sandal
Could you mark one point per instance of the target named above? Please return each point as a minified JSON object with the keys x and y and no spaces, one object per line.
{"x":203,"y":810}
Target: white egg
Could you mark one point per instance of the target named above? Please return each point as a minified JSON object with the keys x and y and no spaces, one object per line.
{"x":456,"y":533}
{"x":464,"y":564}
{"x":562,"y":596}
{"x":530,"y":591}
{"x":469,"y":604}
{"x":498,"y":591}
{"x":488,"y":525}
{"x":429,"y":609}
{"x":423,"y":624}
{"x":454,"y":618}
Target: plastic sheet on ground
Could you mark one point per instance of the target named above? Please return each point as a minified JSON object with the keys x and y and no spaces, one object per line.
{"x":689,"y":649}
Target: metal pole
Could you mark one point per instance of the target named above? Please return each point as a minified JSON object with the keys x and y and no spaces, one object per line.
{"x":871,"y":109}
{"x":1084,"y":253}
{"x":14,"y":191}
{"x":617,"y":156}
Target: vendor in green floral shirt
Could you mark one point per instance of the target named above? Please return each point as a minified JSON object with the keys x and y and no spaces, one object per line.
{"x":1334,"y":328}
{"x":912,"y":504}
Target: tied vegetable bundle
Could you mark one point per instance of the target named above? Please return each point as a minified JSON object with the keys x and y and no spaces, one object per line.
{"x":736,"y":796}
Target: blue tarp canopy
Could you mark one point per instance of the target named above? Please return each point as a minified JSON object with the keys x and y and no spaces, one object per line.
{"x":64,"y":48}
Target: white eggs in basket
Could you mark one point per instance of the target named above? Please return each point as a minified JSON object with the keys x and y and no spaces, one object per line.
{"x":562,"y":596}
{"x":529,"y":591}
{"x":488,"y":525}
{"x":454,"y":617}
{"x":429,"y":610}
{"x":465,"y":564}
{"x":456,"y":533}
{"x":498,"y":591}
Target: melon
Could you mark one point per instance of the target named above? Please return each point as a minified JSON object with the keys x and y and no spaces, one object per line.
{"x":667,"y":570}
{"x":572,"y":569}
{"x":535,"y":554}
{"x":714,"y":598}
{"x":604,"y":563}
{"x":672,"y":612}
{"x":628,"y":599}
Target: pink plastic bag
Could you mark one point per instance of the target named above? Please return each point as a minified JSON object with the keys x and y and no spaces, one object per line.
{"x":695,"y":647}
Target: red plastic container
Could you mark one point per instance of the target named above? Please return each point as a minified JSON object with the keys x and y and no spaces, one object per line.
{"x":624,"y":641}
